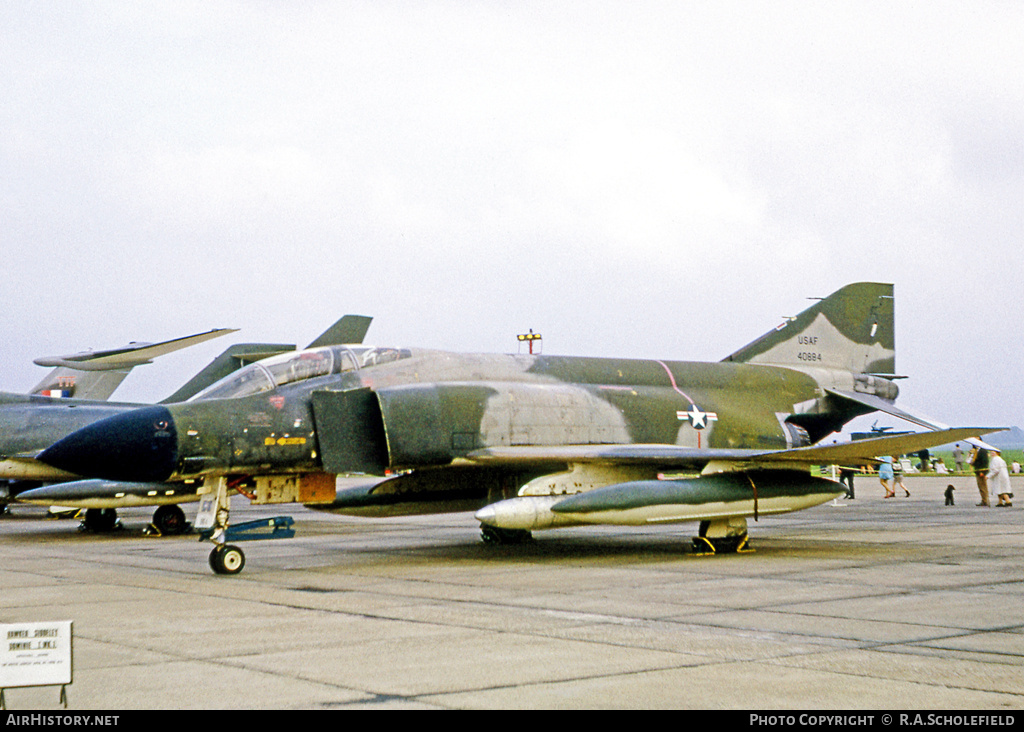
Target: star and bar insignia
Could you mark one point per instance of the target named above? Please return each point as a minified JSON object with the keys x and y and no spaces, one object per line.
{"x":696,"y":417}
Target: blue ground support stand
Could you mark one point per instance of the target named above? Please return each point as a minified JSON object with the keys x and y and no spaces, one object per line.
{"x":279,"y":527}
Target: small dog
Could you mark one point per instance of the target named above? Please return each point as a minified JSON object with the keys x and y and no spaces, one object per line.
{"x":949,"y":495}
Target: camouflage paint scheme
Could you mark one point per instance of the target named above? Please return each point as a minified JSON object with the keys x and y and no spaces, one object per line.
{"x":72,"y":395}
{"x":30,"y":422}
{"x":385,"y":431}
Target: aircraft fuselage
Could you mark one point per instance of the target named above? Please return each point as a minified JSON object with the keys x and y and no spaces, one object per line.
{"x":431,"y":408}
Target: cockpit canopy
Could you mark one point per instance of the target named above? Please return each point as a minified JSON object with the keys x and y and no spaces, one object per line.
{"x":287,"y":368}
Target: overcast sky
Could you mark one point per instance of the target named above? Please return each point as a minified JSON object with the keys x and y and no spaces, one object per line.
{"x":662,"y":180}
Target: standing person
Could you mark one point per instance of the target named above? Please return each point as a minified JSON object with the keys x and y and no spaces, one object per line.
{"x":846,"y":478}
{"x":958,"y":458}
{"x":980,"y":465}
{"x":999,"y":478}
{"x":885,"y":475}
{"x":897,"y":470}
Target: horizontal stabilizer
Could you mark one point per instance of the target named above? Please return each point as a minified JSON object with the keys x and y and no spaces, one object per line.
{"x":96,"y":374}
{"x":134,"y":354}
{"x":881,"y":405}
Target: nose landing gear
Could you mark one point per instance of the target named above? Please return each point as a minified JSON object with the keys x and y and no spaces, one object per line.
{"x":212,"y":523}
{"x":227,"y":559}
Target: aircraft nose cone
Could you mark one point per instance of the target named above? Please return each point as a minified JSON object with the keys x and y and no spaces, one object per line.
{"x":140,"y":445}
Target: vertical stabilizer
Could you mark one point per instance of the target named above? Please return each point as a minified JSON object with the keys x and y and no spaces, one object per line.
{"x":350,"y":329}
{"x":851,"y":329}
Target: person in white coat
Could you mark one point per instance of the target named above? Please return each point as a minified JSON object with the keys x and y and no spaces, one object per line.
{"x":999,"y":479}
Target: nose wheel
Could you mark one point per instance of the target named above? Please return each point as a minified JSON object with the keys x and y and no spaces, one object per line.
{"x":227,"y":559}
{"x":212,"y":522}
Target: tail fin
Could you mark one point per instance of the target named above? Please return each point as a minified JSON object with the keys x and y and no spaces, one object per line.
{"x":350,"y":329}
{"x":852,"y":329}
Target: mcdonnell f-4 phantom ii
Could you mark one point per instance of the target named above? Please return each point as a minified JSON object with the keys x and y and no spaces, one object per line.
{"x":30,"y":423}
{"x":529,"y":442}
{"x":70,"y":396}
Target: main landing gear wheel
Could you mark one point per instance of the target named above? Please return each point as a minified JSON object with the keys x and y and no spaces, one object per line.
{"x":170,"y":520}
{"x":504,"y":537}
{"x":100,"y":520}
{"x":704,"y":546}
{"x":227,"y":559}
{"x":727,"y":536}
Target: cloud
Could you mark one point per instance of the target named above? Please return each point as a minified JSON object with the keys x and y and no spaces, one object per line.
{"x":479,"y":168}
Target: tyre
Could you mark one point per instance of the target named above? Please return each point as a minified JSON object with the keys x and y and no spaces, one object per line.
{"x":227,"y":559}
{"x":170,"y":520}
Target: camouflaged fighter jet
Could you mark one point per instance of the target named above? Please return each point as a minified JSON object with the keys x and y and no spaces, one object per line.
{"x":528,"y":442}
{"x":70,"y":396}
{"x":28,"y":424}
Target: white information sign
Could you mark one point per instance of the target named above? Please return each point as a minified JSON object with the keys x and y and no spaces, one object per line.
{"x":35,"y":654}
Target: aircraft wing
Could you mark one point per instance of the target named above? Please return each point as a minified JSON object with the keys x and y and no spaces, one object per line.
{"x":672,"y":457}
{"x":669,"y":457}
{"x":96,"y":374}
